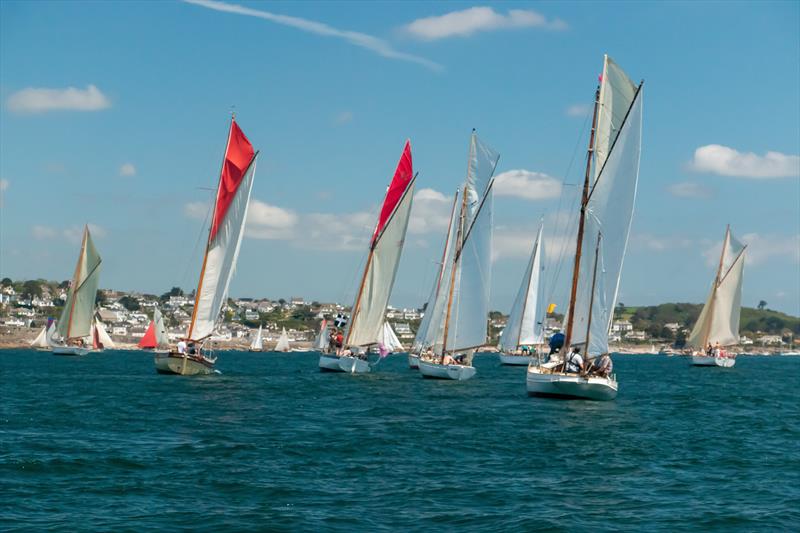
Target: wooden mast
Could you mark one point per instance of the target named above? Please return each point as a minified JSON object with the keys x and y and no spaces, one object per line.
{"x":581,"y":222}
{"x":457,"y":252}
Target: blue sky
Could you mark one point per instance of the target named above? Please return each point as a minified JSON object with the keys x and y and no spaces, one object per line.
{"x":330,"y":94}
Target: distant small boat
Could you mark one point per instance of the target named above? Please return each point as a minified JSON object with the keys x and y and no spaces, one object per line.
{"x":75,"y":332}
{"x":365,"y":328}
{"x":219,"y":261}
{"x":525,"y":325}
{"x":156,"y":334}
{"x":719,"y":320}
{"x":44,"y":339}
{"x":283,"y":342}
{"x":258,"y":342}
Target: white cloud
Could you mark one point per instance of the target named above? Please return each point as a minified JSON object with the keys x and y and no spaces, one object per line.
{"x":761,"y":249}
{"x":38,"y":100}
{"x":578,"y":110}
{"x":71,"y":233}
{"x":656,"y":243}
{"x":526,"y":184}
{"x":43,"y":232}
{"x":477,"y":19}
{"x":196,"y":210}
{"x":725,"y":161}
{"x":688,"y":189}
{"x":344,"y":117}
{"x":362,"y":40}
{"x":127,"y":170}
{"x":266,"y":221}
{"x":430,"y":212}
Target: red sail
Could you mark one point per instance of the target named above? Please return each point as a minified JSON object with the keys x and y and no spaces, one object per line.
{"x":149,"y":339}
{"x":96,"y":344}
{"x":402,"y":177}
{"x":237,"y":158}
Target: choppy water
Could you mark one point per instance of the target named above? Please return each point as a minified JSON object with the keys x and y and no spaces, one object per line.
{"x":103,"y":443}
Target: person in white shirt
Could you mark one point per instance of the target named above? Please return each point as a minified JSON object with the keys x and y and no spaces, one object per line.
{"x":182,"y":346}
{"x":575,"y":361}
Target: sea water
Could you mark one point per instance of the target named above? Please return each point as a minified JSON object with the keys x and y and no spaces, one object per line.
{"x":103,"y":443}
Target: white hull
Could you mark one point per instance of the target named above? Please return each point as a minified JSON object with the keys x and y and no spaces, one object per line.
{"x":570,"y":385}
{"x":169,"y":363}
{"x":454,"y":372}
{"x":353,"y":365}
{"x":70,"y":350}
{"x":413,"y":361}
{"x":706,"y":360}
{"x":515,"y":360}
{"x":329,"y":363}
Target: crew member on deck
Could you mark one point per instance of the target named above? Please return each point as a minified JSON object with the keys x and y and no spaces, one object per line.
{"x":575,"y":361}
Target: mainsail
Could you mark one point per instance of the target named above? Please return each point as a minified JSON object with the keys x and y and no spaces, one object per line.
{"x":100,"y":337}
{"x":258,"y":343}
{"x":386,"y":245}
{"x":606,"y":210}
{"x":719,"y":320}
{"x":525,"y":322}
{"x":45,"y":337}
{"x":467,"y":310}
{"x":76,"y":319}
{"x":283,"y":342}
{"x":225,"y":235}
{"x":389,"y":339}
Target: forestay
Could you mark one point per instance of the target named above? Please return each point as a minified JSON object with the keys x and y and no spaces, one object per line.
{"x":609,"y":212}
{"x":76,"y":318}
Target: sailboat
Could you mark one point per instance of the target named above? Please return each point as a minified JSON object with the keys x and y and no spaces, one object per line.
{"x":75,"y":324}
{"x":606,"y":209}
{"x":388,"y":339}
{"x":44,"y":340}
{"x":323,"y":341}
{"x":460,"y":307}
{"x":525,"y":325}
{"x":367,"y":318}
{"x":100,"y":337}
{"x":258,"y":342}
{"x":219,"y":262}
{"x":156,"y":334}
{"x":718,"y":322}
{"x":283,"y":342}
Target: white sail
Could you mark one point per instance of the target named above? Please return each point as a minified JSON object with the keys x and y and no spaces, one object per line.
{"x":437,"y":307}
{"x":162,"y":339}
{"x":367,"y":322}
{"x":283,"y":342}
{"x":258,"y":343}
{"x":323,"y":337}
{"x":41,"y":339}
{"x":609,"y":212}
{"x":76,"y":318}
{"x":719,"y":320}
{"x":469,"y":311}
{"x":423,"y":340}
{"x":525,"y":322}
{"x":389,"y":338}
{"x":616,"y":95}
{"x":220,"y":262}
{"x":102,"y":335}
